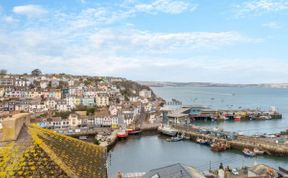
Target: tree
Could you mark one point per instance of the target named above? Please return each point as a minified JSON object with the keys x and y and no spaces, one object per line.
{"x":36,"y":72}
{"x":3,"y":72}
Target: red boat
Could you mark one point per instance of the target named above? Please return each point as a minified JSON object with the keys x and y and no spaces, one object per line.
{"x":122,"y":134}
{"x":237,"y":118}
{"x":134,"y":131}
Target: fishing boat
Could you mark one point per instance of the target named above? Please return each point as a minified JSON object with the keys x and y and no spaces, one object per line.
{"x":122,"y":134}
{"x":248,"y":152}
{"x":134,"y":131}
{"x":167,"y":131}
{"x":258,"y":152}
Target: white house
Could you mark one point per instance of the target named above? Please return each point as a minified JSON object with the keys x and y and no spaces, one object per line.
{"x":37,"y":107}
{"x":70,"y":102}
{"x":106,"y":121}
{"x":113,"y":110}
{"x":74,"y":120}
{"x":62,"y":106}
{"x":51,"y":104}
{"x":2,"y":92}
{"x":44,"y":84}
{"x":57,"y":122}
{"x":102,"y":100}
{"x":145,"y":93}
{"x":22,"y":82}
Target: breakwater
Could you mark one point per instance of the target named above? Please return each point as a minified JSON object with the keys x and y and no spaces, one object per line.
{"x":240,"y":142}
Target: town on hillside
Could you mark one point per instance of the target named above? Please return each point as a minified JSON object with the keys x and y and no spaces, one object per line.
{"x":73,"y":104}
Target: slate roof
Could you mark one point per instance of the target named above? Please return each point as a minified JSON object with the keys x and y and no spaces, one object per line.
{"x":174,"y":171}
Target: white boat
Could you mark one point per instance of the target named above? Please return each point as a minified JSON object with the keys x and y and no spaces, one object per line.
{"x":175,"y":139}
{"x":168,"y":131}
{"x":248,"y":152}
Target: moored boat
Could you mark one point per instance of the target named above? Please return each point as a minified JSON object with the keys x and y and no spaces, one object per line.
{"x":248,"y":152}
{"x":237,"y":118}
{"x":202,"y":141}
{"x":219,"y":147}
{"x":175,"y":139}
{"x":134,"y":131}
{"x":167,"y":131}
{"x":122,"y":134}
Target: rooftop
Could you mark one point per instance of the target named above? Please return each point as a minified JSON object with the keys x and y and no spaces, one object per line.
{"x":176,"y":171}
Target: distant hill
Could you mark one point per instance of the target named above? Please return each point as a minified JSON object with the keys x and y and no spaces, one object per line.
{"x":208,"y":84}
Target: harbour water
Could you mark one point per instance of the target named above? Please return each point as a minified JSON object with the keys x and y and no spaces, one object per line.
{"x":142,"y":153}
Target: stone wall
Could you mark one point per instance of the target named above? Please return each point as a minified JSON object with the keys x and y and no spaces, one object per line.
{"x":13,"y":125}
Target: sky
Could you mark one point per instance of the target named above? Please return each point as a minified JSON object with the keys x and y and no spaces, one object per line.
{"x":226,"y":41}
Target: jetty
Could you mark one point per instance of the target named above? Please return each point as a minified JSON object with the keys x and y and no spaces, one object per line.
{"x":235,"y":141}
{"x":189,"y":113}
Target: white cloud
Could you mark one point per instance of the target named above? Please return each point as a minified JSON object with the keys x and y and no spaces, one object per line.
{"x":30,"y":10}
{"x":88,"y":43}
{"x":272,"y":25}
{"x":166,"y":6}
{"x":9,"y":19}
{"x":143,"y":41}
{"x":257,"y":7}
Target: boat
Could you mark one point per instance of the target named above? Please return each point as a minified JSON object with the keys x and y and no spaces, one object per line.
{"x":283,"y":170}
{"x":175,"y":139}
{"x":258,"y":152}
{"x":248,"y":152}
{"x":168,"y":131}
{"x":134,"y":131}
{"x":202,"y":141}
{"x":122,"y":134}
{"x":219,"y":147}
{"x":237,"y":118}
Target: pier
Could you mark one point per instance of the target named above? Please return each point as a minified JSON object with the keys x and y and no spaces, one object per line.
{"x":240,"y":142}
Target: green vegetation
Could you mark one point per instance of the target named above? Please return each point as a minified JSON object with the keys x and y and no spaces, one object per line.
{"x":130,"y":88}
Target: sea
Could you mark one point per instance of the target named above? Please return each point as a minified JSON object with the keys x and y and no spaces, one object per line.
{"x":150,"y":150}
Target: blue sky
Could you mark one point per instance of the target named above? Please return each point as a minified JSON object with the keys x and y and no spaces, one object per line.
{"x":163,"y":40}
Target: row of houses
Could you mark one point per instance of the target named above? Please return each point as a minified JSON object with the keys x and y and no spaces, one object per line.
{"x":39,"y":105}
{"x":81,"y":119}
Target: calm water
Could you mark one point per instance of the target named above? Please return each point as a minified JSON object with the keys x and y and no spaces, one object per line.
{"x":139,"y":154}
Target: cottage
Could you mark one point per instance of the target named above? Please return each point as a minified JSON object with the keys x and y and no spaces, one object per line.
{"x":36,"y":106}
{"x":2,"y":92}
{"x":51,"y":104}
{"x":113,"y":110}
{"x":62,"y":106}
{"x":74,"y":120}
{"x":21,"y":82}
{"x":102,"y":100}
{"x":88,"y":102}
{"x":57,"y":94}
{"x":34,"y":94}
{"x":57,"y":122}
{"x":44,"y":84}
{"x":7,"y":81}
